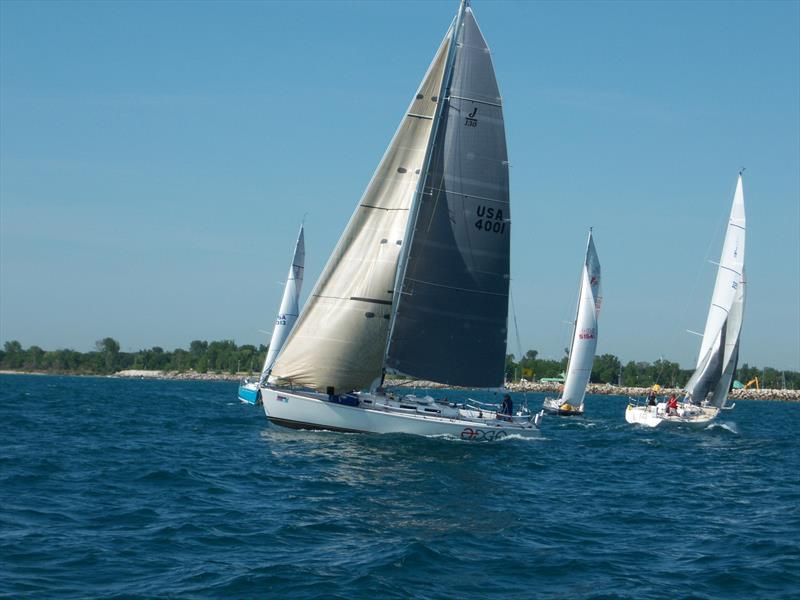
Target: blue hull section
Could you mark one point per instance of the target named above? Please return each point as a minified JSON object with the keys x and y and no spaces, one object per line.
{"x":248,"y":393}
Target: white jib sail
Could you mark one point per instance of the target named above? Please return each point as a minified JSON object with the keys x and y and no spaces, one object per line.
{"x":729,"y":273}
{"x":715,"y":363}
{"x":584,"y":335}
{"x":340,"y":338}
{"x":290,"y":306}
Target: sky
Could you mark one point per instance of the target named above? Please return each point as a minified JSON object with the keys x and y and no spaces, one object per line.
{"x":156,"y":160}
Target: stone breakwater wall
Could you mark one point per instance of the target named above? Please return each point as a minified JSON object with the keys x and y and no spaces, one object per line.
{"x":191,"y":375}
{"x":399,"y":384}
{"x":614,"y":390}
{"x":638,"y":392}
{"x":527,"y":386}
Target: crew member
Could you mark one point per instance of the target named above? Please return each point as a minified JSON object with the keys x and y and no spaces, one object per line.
{"x":672,"y":405}
{"x":507,"y":407}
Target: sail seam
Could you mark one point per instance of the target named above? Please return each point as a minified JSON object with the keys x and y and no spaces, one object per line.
{"x":476,"y":100}
{"x":371,"y":300}
{"x":450,"y":287}
{"x":452,"y":193}
{"x":730,"y":269}
{"x":380,"y":207}
{"x":721,"y":308}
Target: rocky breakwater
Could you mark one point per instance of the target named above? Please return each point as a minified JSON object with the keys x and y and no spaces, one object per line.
{"x":640,"y":392}
{"x":191,"y":375}
{"x":521,"y":386}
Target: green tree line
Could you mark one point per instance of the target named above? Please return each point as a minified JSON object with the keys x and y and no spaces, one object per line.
{"x":201,"y":356}
{"x":226,"y":357}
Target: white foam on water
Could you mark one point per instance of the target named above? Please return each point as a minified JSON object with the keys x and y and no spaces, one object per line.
{"x":730,"y":426}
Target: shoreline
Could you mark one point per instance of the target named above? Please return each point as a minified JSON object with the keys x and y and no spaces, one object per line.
{"x":597,"y":389}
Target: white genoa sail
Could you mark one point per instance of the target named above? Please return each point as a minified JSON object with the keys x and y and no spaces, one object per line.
{"x":719,"y":349}
{"x":290,"y":306}
{"x":584,"y":333}
{"x":340,"y":339}
{"x":450,"y":323}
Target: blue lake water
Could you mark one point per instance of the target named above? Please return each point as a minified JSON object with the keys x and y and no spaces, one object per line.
{"x":126,"y":489}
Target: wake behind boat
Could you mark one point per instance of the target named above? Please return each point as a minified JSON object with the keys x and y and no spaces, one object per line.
{"x":584,"y":339}
{"x":418,"y":282}
{"x":708,"y":387}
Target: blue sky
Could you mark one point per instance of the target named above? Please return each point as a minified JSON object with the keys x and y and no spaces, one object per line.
{"x":156,"y":160}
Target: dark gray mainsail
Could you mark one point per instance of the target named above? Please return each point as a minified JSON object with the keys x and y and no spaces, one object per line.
{"x":451,"y":306}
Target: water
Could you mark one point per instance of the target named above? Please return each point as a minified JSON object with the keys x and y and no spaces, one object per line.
{"x":128,"y":489}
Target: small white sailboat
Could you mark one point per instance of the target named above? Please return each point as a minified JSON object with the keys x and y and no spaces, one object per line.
{"x":707,"y":389}
{"x":418,"y":282}
{"x":584,"y":339}
{"x":287,"y":316}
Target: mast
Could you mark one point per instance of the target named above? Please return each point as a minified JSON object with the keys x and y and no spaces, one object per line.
{"x":414,"y":212}
{"x":577,"y":308}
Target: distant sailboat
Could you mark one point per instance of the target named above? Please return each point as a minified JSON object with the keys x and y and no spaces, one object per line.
{"x":287,"y":315}
{"x":418,"y":283}
{"x":707,"y":389}
{"x":584,"y":339}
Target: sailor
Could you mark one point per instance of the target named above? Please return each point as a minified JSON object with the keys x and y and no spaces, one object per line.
{"x":507,"y":407}
{"x":651,"y":398}
{"x":672,"y":405}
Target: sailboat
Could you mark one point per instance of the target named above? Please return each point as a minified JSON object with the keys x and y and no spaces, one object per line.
{"x":584,"y":339}
{"x":707,"y":389}
{"x":418,"y":283}
{"x":287,"y":316}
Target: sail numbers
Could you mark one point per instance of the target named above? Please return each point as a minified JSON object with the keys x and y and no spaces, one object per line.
{"x":490,"y":220}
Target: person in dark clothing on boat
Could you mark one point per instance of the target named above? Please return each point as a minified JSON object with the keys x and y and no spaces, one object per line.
{"x":651,"y":398}
{"x":507,"y":406}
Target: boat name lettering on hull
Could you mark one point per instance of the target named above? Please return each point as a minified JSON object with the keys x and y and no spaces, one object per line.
{"x":477,"y":435}
{"x":283,"y":399}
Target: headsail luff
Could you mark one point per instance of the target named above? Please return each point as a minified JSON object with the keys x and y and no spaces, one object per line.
{"x":584,"y":333}
{"x":450,"y":324}
{"x":720,"y":346}
{"x":290,"y":306}
{"x":340,"y":338}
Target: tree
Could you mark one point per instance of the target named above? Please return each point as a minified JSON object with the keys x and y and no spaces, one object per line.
{"x":109,"y":352}
{"x":606,"y":369}
{"x":14,"y":355}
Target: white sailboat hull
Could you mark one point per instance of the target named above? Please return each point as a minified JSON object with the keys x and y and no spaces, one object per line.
{"x":372,"y":414}
{"x":654,"y":416}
